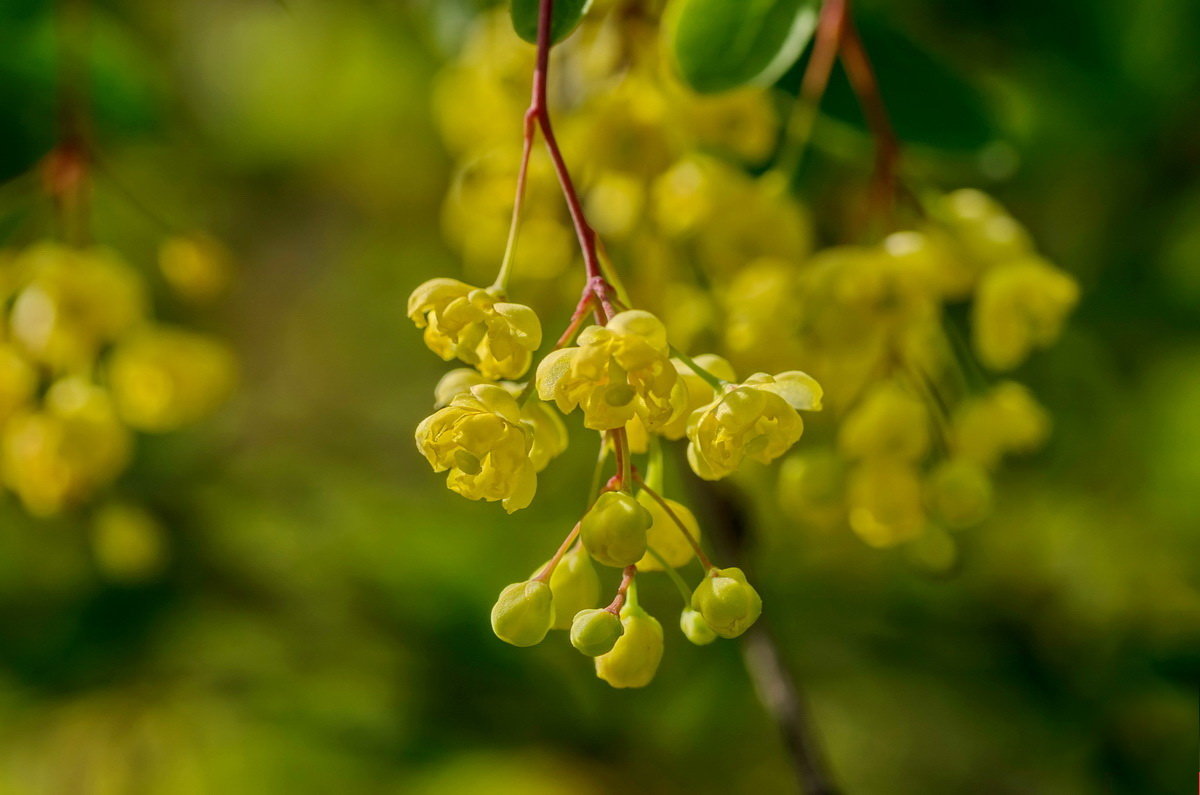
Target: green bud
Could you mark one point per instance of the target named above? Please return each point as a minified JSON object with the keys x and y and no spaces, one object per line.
{"x":594,"y":632}
{"x":523,"y":613}
{"x":574,"y":584}
{"x":634,"y":659}
{"x":727,"y":602}
{"x":614,"y":530}
{"x":695,"y":628}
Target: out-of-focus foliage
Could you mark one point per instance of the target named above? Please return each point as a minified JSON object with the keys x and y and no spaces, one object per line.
{"x":319,"y":623}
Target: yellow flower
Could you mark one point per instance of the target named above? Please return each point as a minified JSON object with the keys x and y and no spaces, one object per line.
{"x":959,"y":492}
{"x":664,"y":535}
{"x":61,"y":454}
{"x":18,"y":381}
{"x":163,"y":378}
{"x":757,"y":419}
{"x":197,"y":266}
{"x":635,"y":656}
{"x":476,"y":326}
{"x":884,"y":502}
{"x":1020,"y":306}
{"x":75,"y":301}
{"x":482,"y":441}
{"x":549,"y":433}
{"x":699,"y":393}
{"x":1006,"y":420}
{"x":889,"y":421}
{"x":617,"y":372}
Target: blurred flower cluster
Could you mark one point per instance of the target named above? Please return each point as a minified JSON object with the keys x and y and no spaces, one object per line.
{"x":904,"y":334}
{"x":84,"y":366}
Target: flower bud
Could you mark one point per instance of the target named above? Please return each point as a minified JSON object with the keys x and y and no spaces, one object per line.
{"x":634,"y":659}
{"x":595,"y":632}
{"x":614,"y":530}
{"x":574,"y":585}
{"x":727,"y":602}
{"x":523,"y":613}
{"x":664,"y":535}
{"x":695,"y":628}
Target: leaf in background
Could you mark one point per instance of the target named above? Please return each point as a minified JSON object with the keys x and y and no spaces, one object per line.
{"x":929,"y":103}
{"x":722,"y":44}
{"x":564,"y":18}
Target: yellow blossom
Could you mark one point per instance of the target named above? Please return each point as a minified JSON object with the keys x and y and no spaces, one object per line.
{"x":1020,"y":306}
{"x":757,"y":419}
{"x":60,"y":454}
{"x":482,"y":441}
{"x":549,"y":433}
{"x":884,"y":501}
{"x":699,"y":393}
{"x":664,"y":536}
{"x":1005,"y":420}
{"x":163,"y":378}
{"x":617,"y":372}
{"x":889,"y":421}
{"x":476,"y":326}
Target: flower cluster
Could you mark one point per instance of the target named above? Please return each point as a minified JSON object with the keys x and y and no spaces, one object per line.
{"x":719,"y":256}
{"x":83,"y":365}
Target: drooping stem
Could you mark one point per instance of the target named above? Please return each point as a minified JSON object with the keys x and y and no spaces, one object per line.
{"x":514,"y":227}
{"x":828,"y":39}
{"x":548,"y":569}
{"x":65,"y":169}
{"x":673,"y":576}
{"x":620,"y":443}
{"x":539,"y":111}
{"x":866,"y":87}
{"x":691,"y":539}
{"x":626,"y":581}
{"x":709,"y":378}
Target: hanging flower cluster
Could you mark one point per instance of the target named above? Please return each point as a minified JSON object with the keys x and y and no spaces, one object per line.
{"x":900,"y":336}
{"x":84,"y":365}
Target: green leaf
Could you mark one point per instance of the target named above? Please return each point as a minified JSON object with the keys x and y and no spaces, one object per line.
{"x":722,"y":44}
{"x":563,"y":19}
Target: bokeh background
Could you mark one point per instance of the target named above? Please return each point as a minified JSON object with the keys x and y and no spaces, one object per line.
{"x":321,"y":621}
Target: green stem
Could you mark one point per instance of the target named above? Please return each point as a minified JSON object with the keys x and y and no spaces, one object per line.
{"x":680,"y":585}
{"x":709,"y":378}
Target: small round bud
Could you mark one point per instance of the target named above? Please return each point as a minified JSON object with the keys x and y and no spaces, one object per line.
{"x":727,"y":602}
{"x":664,"y":535}
{"x":634,"y":659}
{"x":574,"y":585}
{"x":523,"y":613}
{"x":695,"y":628}
{"x":614,"y":530}
{"x":595,"y":632}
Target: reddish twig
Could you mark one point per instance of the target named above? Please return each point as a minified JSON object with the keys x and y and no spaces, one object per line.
{"x":619,"y":600}
{"x":539,"y":111}
{"x":866,"y":88}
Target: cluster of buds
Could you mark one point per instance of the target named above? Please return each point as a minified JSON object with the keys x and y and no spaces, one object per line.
{"x":493,"y":437}
{"x":83,"y":366}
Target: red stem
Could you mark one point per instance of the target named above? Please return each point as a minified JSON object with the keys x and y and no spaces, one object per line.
{"x":544,"y":574}
{"x":866,"y":88}
{"x":539,"y":111}
{"x":619,"y":600}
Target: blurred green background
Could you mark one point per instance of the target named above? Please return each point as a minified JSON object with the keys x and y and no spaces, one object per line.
{"x":322,"y":623}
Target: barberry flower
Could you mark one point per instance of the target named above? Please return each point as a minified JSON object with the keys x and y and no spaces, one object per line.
{"x":575,"y":586}
{"x":595,"y":632}
{"x":884,"y":500}
{"x":756,"y":419}
{"x":1020,"y":306}
{"x":618,"y":371}
{"x":482,"y":441}
{"x":614,"y":529}
{"x":549,"y":433}
{"x":477,"y":326}
{"x":1006,"y":420}
{"x":889,"y":421}
{"x":726,"y":602}
{"x":699,"y":393}
{"x":523,"y":613}
{"x":695,"y":628}
{"x":634,"y":658}
{"x":664,"y":536}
